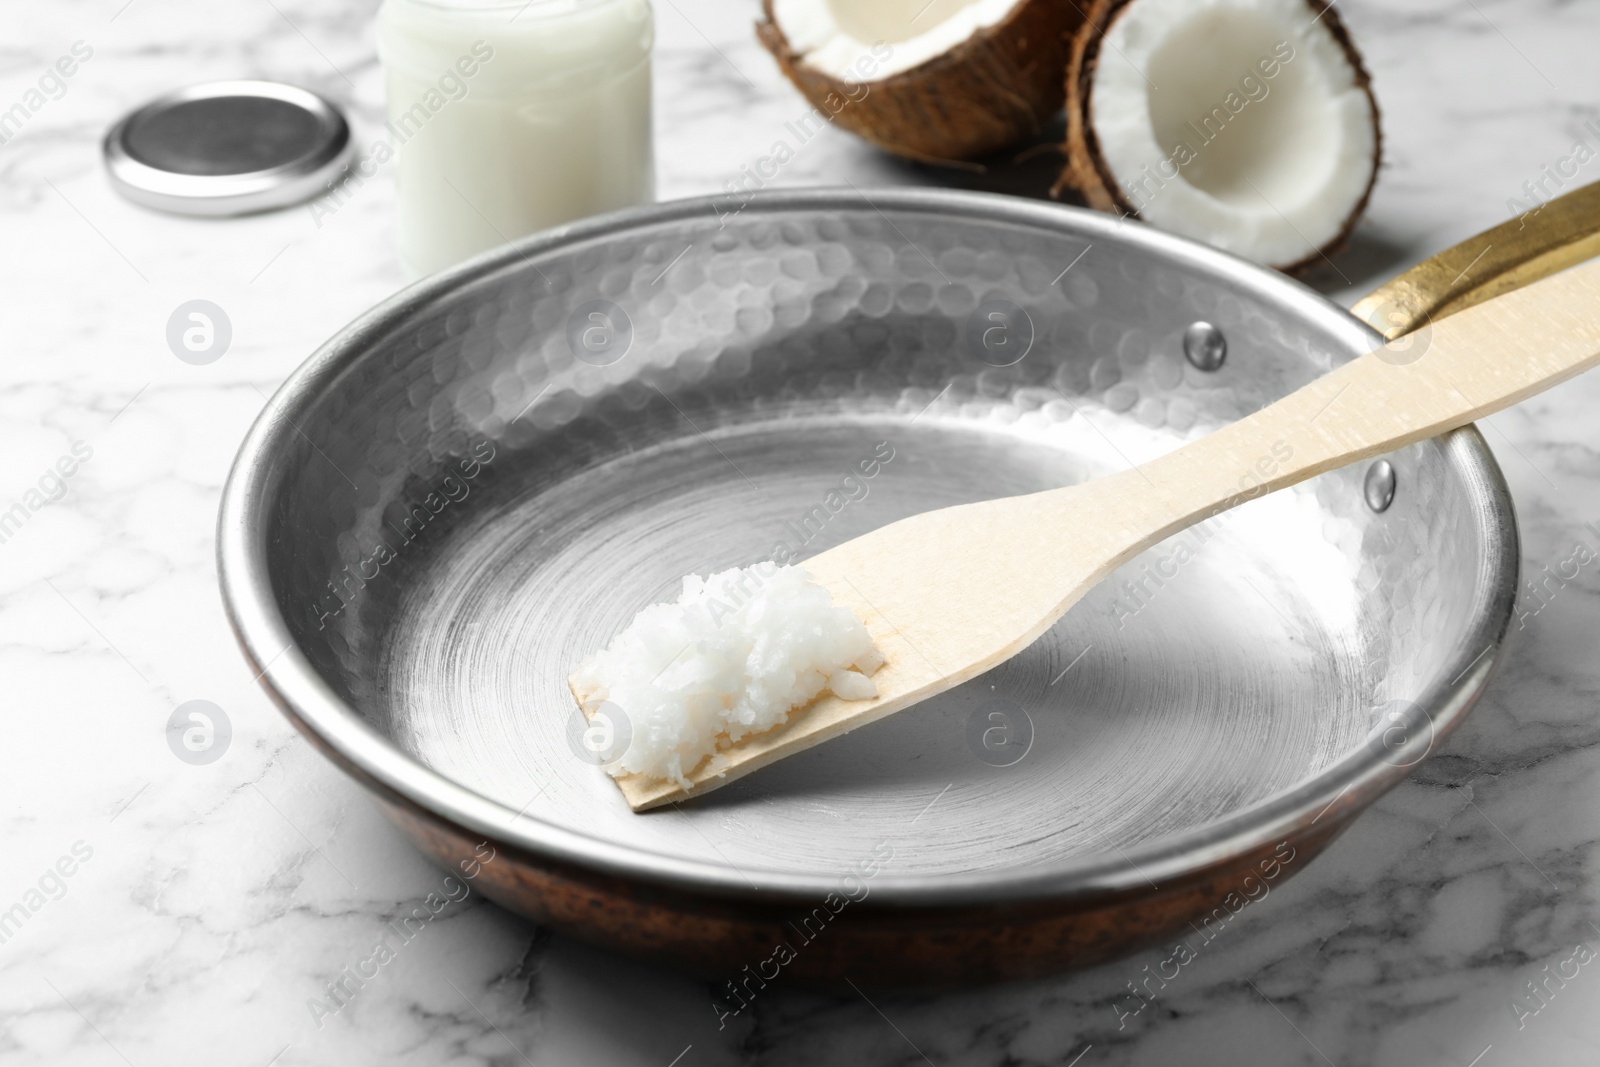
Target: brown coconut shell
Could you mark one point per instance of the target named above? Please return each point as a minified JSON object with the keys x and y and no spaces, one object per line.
{"x":1086,"y":173}
{"x":998,"y":87}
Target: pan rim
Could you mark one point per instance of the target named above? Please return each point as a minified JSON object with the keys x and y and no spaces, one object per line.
{"x":340,"y":732}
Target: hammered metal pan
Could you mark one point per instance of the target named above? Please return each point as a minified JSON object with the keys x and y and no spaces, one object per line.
{"x":482,"y":479}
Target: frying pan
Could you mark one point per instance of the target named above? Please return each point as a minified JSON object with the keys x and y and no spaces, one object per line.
{"x":482,"y":479}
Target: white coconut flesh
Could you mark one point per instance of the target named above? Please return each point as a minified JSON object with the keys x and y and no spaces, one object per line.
{"x":1200,"y":140}
{"x":833,"y":36}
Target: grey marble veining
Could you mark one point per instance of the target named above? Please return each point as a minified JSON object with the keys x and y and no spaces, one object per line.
{"x":208,"y":907}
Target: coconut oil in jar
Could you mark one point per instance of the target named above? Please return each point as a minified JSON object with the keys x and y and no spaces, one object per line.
{"x":511,"y":116}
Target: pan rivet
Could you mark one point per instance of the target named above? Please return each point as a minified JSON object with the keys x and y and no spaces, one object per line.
{"x":1205,"y":346}
{"x":1379,"y":487}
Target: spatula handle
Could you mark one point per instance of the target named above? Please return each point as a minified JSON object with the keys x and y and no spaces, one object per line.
{"x":1460,"y":368}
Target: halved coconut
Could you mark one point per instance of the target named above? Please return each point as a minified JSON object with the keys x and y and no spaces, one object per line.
{"x":1248,"y":124}
{"x":934,"y":80}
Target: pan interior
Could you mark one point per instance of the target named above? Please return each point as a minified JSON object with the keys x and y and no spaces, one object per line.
{"x":1233,"y":680}
{"x":530,"y":503}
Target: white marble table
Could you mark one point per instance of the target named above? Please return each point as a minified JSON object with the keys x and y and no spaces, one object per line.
{"x":208,"y":904}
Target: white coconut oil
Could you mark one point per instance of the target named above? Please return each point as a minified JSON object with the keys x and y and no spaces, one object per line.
{"x":511,"y":116}
{"x":730,"y":658}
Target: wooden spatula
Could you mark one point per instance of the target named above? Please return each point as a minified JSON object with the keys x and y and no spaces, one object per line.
{"x":949,"y":594}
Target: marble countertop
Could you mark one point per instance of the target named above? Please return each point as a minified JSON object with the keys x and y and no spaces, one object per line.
{"x":186,"y":914}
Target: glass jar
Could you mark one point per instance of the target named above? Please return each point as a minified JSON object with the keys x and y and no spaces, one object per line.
{"x":510,"y":116}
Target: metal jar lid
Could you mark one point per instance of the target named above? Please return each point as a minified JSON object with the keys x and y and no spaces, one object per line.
{"x":228,"y":148}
